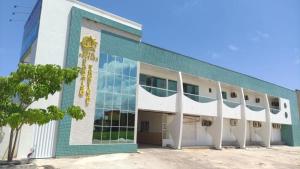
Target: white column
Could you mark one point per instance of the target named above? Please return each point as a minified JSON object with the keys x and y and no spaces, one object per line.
{"x":136,"y":102}
{"x":218,"y":123}
{"x":243,"y":122}
{"x":267,"y":126}
{"x":176,"y":124}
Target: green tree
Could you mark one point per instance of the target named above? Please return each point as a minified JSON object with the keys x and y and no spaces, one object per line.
{"x":27,"y":85}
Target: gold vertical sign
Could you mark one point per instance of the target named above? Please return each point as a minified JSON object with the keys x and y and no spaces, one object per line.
{"x":88,"y":48}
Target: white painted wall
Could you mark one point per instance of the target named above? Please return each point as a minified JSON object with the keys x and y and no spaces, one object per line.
{"x":255,"y":115}
{"x":154,"y":119}
{"x":276,"y":136}
{"x":50,"y":48}
{"x":194,"y":134}
{"x":229,"y":133}
{"x":170,"y":138}
{"x":82,"y":131}
{"x":196,"y":108}
{"x":280,"y":117}
{"x":148,"y":101}
{"x":232,"y":113}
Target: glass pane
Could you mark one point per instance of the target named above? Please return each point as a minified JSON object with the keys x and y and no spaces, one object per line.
{"x":117,"y":84}
{"x":119,"y":65}
{"x":99,"y":116}
{"x":123,"y":118}
{"x":110,"y":63}
{"x":125,"y":85}
{"x":122,"y":134}
{"x":131,"y":119}
{"x":100,"y":100}
{"x":132,"y":68}
{"x":125,"y":101}
{"x":224,"y":95}
{"x":114,"y":134}
{"x":193,"y":97}
{"x":105,"y":135}
{"x":130,"y":135}
{"x":107,"y":118}
{"x":102,"y":61}
{"x":131,"y":103}
{"x":158,"y":82}
{"x":172,"y":85}
{"x":149,"y":80}
{"x":109,"y":86}
{"x":97,"y":135}
{"x":115,"y":119}
{"x":117,"y":101}
{"x":143,"y":79}
{"x":108,"y":101}
{"x":192,"y":89}
{"x":170,"y":93}
{"x":132,"y":86}
{"x":159,"y":92}
{"x":149,"y":89}
{"x":126,"y":67}
{"x":101,"y":80}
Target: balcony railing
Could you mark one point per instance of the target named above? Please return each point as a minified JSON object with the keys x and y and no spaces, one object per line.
{"x":274,"y":110}
{"x":255,"y":107}
{"x":200,"y":99}
{"x":159,"y":91}
{"x":231,"y":103}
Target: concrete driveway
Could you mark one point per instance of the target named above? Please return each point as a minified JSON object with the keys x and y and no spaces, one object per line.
{"x":280,"y":157}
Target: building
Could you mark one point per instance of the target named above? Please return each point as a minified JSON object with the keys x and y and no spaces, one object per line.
{"x":136,"y":93}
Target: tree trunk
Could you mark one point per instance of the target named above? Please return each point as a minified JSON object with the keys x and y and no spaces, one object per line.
{"x":9,"y":154}
{"x":15,"y":142}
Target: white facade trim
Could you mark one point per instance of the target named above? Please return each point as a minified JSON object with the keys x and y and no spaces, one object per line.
{"x":106,"y":14}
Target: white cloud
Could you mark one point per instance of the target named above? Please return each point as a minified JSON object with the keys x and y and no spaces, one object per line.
{"x":184,"y":7}
{"x":263,"y":34}
{"x":233,"y":48}
{"x":259,"y":35}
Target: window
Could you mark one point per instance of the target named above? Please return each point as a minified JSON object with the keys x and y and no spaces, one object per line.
{"x":210,"y":90}
{"x":286,"y":115}
{"x":191,"y":91}
{"x":285,"y":105}
{"x":115,"y":101}
{"x":224,"y":95}
{"x":144,"y":126}
{"x":246,"y":97}
{"x":158,"y":86}
{"x":172,"y":87}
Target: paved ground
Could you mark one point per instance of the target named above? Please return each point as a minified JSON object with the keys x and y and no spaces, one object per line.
{"x":281,"y":157}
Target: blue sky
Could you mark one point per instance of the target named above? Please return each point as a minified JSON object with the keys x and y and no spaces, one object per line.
{"x":260,"y":38}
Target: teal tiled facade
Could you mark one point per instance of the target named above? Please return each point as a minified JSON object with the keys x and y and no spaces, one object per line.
{"x":120,"y":46}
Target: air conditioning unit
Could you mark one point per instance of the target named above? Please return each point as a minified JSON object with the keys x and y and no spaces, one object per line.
{"x":233,"y":122}
{"x":256,"y":124}
{"x":276,"y":126}
{"x":257,"y":100}
{"x":233,"y":95}
{"x":206,"y":123}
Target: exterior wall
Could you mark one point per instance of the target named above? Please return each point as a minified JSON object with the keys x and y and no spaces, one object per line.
{"x":160,"y":57}
{"x":59,"y":37}
{"x":63,"y":146}
{"x":82,"y":130}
